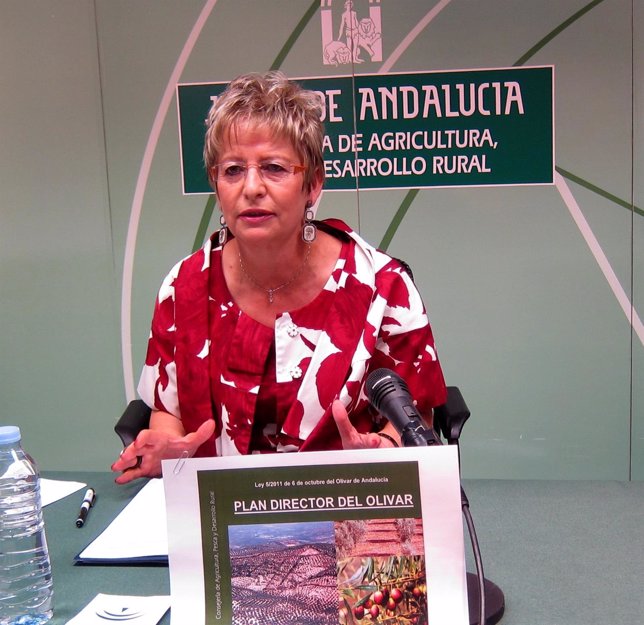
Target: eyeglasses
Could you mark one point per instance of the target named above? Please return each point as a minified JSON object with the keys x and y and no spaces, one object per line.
{"x":232,"y":172}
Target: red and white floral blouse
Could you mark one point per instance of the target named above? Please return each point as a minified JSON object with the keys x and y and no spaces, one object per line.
{"x":271,"y":389}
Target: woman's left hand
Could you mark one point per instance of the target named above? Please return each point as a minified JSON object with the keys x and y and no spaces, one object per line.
{"x":351,"y":438}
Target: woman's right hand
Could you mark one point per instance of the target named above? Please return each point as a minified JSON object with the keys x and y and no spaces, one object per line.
{"x":143,"y":457}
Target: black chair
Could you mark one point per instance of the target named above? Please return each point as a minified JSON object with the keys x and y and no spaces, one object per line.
{"x":135,"y":418}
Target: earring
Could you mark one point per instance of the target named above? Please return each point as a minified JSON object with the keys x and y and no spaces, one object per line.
{"x":223,"y":231}
{"x":309,"y":229}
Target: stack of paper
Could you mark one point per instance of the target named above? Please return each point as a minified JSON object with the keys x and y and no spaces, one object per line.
{"x":137,"y":535}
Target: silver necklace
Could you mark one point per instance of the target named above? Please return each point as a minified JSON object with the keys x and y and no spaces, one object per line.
{"x":271,"y":292}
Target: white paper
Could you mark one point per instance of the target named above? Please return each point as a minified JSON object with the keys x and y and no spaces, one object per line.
{"x":53,"y":490}
{"x":139,"y":531}
{"x":117,"y":608}
{"x":441,"y":512}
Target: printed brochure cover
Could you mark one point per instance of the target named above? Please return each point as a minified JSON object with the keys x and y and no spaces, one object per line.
{"x":285,"y":548}
{"x":329,"y":544}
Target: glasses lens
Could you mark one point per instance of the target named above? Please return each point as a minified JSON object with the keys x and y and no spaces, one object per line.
{"x":273,"y":171}
{"x":231,"y":172}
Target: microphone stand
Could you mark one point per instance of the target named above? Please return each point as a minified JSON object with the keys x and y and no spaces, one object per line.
{"x":449,"y":420}
{"x":389,"y":394}
{"x":480,"y":576}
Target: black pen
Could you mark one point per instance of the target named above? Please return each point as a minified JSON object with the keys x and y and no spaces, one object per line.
{"x":88,"y":502}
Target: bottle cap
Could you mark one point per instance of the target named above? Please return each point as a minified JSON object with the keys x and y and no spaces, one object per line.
{"x":9,"y":434}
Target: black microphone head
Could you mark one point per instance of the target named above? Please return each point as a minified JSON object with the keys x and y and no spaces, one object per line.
{"x":380,"y":383}
{"x":389,"y":395}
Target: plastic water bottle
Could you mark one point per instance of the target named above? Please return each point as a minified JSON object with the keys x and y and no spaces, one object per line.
{"x":26,"y":590}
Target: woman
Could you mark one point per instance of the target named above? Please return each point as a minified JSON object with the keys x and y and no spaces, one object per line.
{"x":262,"y":340}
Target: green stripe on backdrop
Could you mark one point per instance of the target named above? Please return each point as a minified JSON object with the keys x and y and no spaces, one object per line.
{"x":398,"y":217}
{"x":595,"y":189}
{"x":553,"y":33}
{"x":202,"y":230}
{"x":411,"y":196}
{"x":297,"y":31}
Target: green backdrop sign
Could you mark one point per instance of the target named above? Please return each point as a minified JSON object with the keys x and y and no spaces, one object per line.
{"x":426,"y":129}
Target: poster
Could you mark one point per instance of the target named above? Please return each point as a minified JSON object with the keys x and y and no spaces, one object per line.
{"x":457,"y":128}
{"x":332,"y":538}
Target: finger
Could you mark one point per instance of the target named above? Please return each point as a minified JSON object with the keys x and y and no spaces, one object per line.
{"x":127,"y":460}
{"x":341,"y":418}
{"x":131,"y":459}
{"x":133,"y":473}
{"x":145,"y":466}
{"x":349,"y":436}
{"x":147,"y":440}
{"x":192,"y":441}
{"x":129,"y":475}
{"x":203,"y":433}
{"x":119,"y":465}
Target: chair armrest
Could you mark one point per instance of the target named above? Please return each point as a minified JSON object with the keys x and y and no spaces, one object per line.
{"x":135,"y":418}
{"x":450,"y":418}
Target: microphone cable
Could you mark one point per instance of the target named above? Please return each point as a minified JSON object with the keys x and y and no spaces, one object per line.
{"x":478,"y":561}
{"x":471,"y":530}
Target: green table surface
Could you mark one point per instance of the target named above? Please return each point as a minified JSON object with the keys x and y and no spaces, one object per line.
{"x":563,"y":552}
{"x":76,"y":585}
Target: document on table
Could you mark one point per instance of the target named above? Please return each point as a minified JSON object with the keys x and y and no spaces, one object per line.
{"x":53,"y":490}
{"x":137,"y":535}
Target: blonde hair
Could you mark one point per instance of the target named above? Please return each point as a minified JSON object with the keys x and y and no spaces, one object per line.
{"x":273,"y":102}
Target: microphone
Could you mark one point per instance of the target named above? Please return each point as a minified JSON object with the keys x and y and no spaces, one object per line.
{"x":389,"y":395}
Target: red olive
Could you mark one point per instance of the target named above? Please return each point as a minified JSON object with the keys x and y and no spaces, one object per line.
{"x":396,"y":595}
{"x":378,"y":597}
